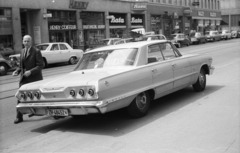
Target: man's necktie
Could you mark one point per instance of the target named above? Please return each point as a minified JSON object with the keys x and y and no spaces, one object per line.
{"x":26,"y":51}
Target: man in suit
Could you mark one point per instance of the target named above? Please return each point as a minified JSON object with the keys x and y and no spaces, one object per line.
{"x":30,"y":69}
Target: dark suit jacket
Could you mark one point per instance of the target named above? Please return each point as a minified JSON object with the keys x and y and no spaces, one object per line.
{"x":33,"y":62}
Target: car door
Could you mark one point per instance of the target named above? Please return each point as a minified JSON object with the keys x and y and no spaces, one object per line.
{"x":180,"y":65}
{"x":64,"y":53}
{"x":162,"y":72}
{"x":53,"y":55}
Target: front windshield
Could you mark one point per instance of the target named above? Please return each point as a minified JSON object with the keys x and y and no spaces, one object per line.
{"x":108,"y":58}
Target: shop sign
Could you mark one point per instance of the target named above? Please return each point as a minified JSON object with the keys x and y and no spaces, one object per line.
{"x":139,"y":6}
{"x":155,"y":19}
{"x":117,"y":19}
{"x":187,"y":11}
{"x":62,"y":27}
{"x":47,"y":15}
{"x":175,"y":15}
{"x":136,"y":19}
{"x":200,"y":13}
{"x":74,"y":4}
{"x":93,"y":26}
{"x":213,"y":14}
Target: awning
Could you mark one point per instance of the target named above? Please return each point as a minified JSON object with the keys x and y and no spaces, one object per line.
{"x":223,"y":23}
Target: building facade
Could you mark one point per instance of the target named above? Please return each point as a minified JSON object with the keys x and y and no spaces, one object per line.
{"x":230,"y":14}
{"x":85,"y":22}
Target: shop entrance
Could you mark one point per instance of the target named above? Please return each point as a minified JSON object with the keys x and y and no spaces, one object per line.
{"x":69,"y":37}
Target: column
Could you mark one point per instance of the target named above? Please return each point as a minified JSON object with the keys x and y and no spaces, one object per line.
{"x":17,"y":34}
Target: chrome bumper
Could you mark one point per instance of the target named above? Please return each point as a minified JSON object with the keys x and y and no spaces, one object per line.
{"x":74,"y":108}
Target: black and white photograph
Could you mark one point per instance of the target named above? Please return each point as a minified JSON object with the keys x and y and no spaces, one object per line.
{"x":119,"y":76}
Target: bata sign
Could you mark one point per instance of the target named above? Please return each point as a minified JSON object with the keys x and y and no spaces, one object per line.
{"x":136,"y":20}
{"x":62,"y":27}
{"x":117,"y":20}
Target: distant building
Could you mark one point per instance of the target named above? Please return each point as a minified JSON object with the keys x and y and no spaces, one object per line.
{"x":231,"y":14}
{"x":85,"y":22}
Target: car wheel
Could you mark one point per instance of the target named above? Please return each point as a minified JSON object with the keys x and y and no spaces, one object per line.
{"x":3,"y":69}
{"x":73,"y":60}
{"x":139,"y":106}
{"x":201,"y":82}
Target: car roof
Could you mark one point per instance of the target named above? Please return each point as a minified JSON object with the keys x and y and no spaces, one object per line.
{"x":111,"y":38}
{"x":128,"y":45}
{"x":51,"y":43}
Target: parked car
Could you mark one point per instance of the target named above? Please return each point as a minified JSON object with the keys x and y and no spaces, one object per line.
{"x":6,"y":51}
{"x":123,"y":41}
{"x":154,"y":37}
{"x":110,"y":41}
{"x":57,"y":52}
{"x":213,"y":36}
{"x":5,"y":65}
{"x":197,"y":38}
{"x":225,"y":34}
{"x":235,"y":34}
{"x":109,"y":78}
{"x":180,"y":39}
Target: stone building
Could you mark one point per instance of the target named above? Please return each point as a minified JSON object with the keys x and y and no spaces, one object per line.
{"x":231,"y":14}
{"x":81,"y":22}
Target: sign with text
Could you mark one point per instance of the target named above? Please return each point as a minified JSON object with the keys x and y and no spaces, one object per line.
{"x":74,"y":4}
{"x":139,"y":6}
{"x":62,"y":27}
{"x":137,"y":19}
{"x":117,"y":19}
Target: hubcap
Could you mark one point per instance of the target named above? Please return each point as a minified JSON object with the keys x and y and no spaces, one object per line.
{"x":2,"y":69}
{"x":141,"y":100}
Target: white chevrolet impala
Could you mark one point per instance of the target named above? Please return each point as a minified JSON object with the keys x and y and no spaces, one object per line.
{"x":113,"y":77}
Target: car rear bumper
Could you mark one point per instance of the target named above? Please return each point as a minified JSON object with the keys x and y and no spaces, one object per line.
{"x":73,"y":108}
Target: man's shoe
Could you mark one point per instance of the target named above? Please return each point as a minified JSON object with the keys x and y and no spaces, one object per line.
{"x":18,"y":120}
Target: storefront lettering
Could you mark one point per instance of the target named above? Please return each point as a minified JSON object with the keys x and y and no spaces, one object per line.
{"x":117,"y":20}
{"x":138,"y":20}
{"x":140,"y":6}
{"x":63,"y":27}
{"x":93,"y":26}
{"x":213,"y":14}
{"x":200,"y":13}
{"x":78,"y":5}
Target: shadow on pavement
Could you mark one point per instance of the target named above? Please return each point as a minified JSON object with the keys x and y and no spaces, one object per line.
{"x":118,"y":123}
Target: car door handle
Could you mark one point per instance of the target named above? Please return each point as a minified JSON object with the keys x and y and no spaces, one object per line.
{"x":154,"y":70}
{"x":174,"y":65}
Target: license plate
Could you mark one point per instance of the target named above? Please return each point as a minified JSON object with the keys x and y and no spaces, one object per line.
{"x":57,"y":112}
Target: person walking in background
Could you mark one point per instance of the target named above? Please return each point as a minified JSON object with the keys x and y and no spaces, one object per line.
{"x":30,"y":69}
